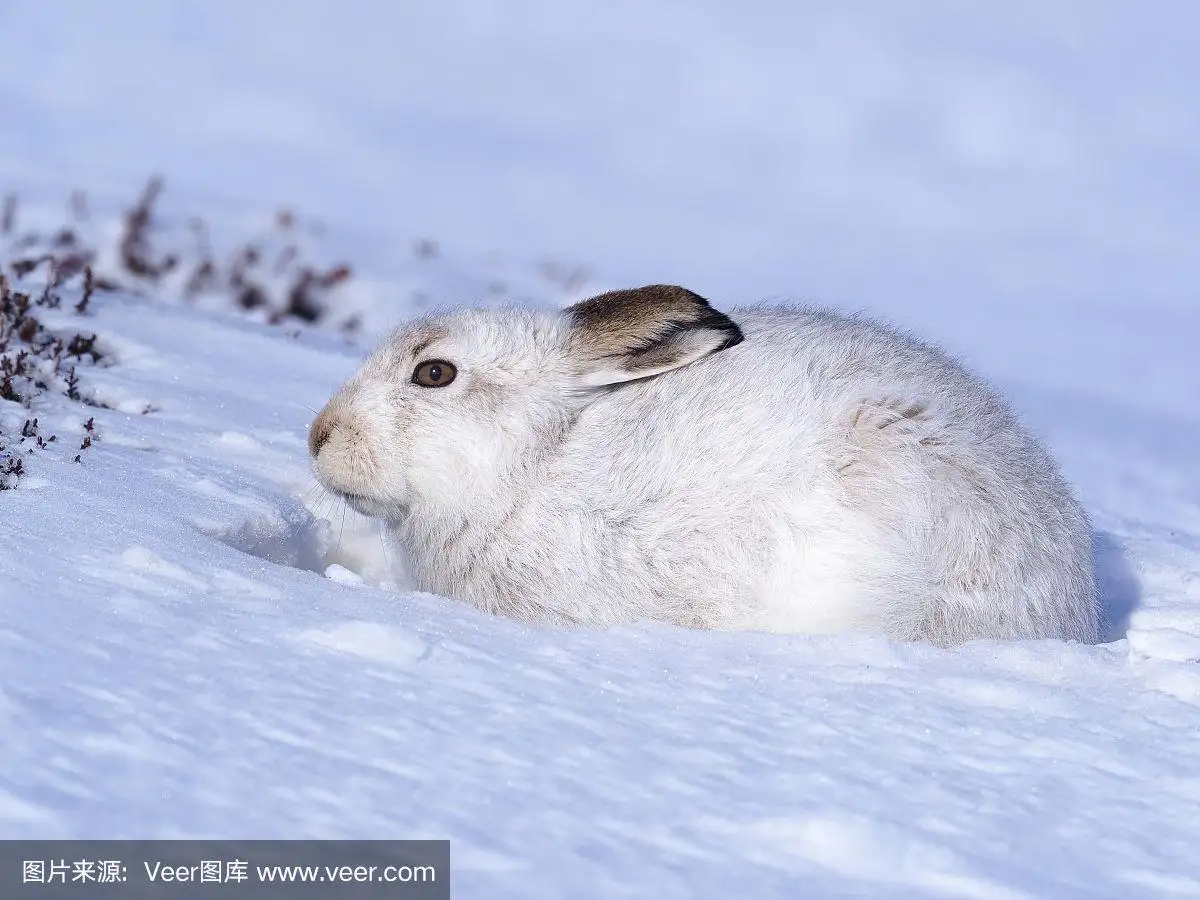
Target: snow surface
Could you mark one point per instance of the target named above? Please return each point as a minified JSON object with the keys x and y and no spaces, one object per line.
{"x":195,"y":642}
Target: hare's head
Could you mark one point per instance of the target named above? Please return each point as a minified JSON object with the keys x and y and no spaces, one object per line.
{"x":448,"y":411}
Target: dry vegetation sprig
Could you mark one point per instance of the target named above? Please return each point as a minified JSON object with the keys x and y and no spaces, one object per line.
{"x":35,"y":360}
{"x":269,"y":274}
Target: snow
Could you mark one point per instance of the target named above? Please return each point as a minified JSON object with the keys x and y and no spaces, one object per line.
{"x":194,"y":641}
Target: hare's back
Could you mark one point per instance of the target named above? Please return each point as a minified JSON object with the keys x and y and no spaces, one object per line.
{"x":774,"y":408}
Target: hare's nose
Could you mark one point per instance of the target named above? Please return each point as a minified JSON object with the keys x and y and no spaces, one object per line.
{"x":319,"y":432}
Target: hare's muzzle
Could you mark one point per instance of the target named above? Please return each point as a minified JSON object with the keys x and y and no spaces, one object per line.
{"x":319,"y":432}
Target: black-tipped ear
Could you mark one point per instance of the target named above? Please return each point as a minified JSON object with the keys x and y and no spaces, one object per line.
{"x":623,"y":335}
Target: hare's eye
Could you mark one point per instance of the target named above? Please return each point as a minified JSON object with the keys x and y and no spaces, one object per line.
{"x":434,"y":373}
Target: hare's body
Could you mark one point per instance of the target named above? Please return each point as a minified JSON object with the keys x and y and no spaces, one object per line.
{"x":823,"y":474}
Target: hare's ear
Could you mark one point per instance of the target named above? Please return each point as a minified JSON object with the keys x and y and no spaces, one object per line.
{"x":623,"y":335}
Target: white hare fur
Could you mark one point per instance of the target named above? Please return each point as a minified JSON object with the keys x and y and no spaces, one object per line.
{"x":643,"y":456}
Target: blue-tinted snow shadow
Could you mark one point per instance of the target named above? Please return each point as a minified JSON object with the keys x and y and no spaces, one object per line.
{"x":1119,"y":587}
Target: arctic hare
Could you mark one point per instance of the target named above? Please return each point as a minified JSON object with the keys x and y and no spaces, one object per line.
{"x":641,"y":455}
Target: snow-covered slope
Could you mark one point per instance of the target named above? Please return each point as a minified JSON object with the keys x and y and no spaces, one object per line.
{"x":188,"y":650}
{"x":195,"y":642}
